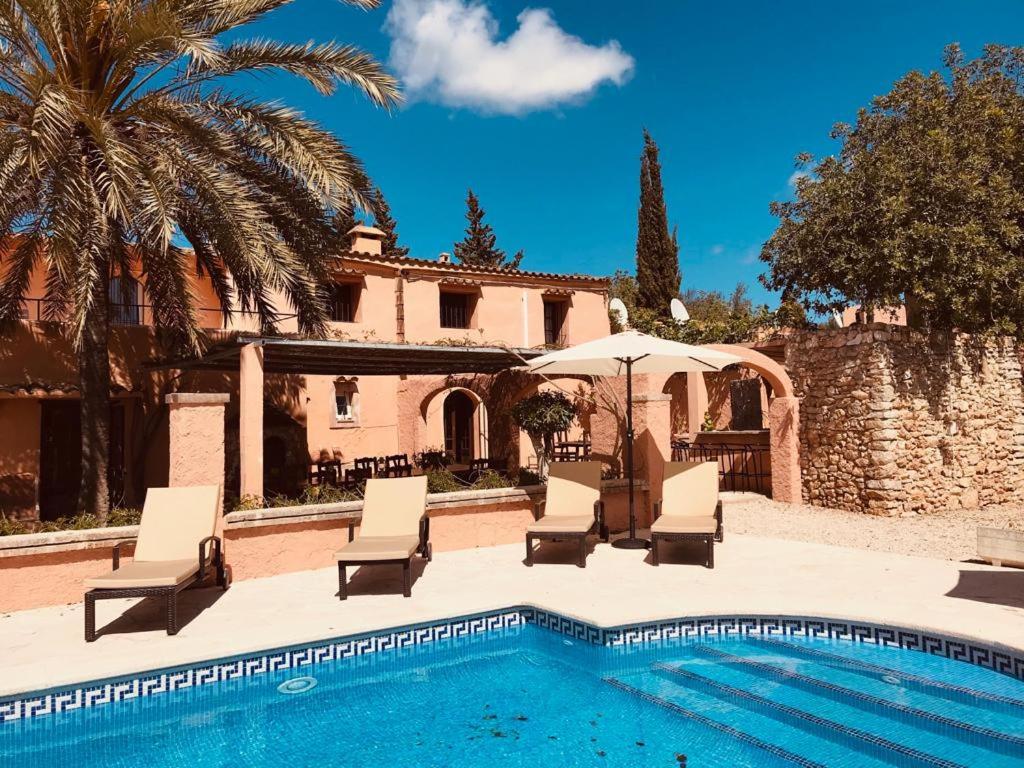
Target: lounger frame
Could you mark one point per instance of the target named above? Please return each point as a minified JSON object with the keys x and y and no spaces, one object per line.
{"x":169,"y":593}
{"x":709,"y":539}
{"x":598,"y":527}
{"x":425,"y":550}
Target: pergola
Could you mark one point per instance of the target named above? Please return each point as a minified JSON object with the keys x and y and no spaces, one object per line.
{"x":255,"y":356}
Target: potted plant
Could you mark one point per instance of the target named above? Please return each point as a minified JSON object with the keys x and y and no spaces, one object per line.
{"x":542,"y":416}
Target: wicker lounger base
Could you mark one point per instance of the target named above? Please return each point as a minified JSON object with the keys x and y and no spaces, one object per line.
{"x":708,"y":539}
{"x":581,"y":539}
{"x":169,"y":594}
{"x":425,"y":549}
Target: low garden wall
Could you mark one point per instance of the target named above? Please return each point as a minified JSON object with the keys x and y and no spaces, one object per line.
{"x":48,"y":568}
{"x":895,"y":422}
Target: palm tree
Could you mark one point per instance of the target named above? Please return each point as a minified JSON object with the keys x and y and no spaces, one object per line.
{"x":119,"y":141}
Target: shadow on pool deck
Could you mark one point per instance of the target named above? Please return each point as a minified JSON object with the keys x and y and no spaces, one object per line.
{"x":149,"y":613}
{"x":1004,"y":587}
{"x":383,"y":579}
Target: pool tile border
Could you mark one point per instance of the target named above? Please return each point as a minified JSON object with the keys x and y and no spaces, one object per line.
{"x":97,"y":693}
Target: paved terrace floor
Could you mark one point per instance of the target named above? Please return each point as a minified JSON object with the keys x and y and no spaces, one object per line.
{"x":44,"y":648}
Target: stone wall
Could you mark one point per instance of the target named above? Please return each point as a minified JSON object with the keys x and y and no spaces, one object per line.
{"x":894,"y":422}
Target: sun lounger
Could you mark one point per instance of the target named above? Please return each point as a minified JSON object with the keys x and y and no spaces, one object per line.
{"x":572,"y":510}
{"x":176,"y":549}
{"x":689,"y":509}
{"x":394,"y":527}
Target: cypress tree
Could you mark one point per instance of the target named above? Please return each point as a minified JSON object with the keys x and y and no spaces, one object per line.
{"x":341,"y":223}
{"x":479,"y":247}
{"x":382,"y":217}
{"x":657,"y":251}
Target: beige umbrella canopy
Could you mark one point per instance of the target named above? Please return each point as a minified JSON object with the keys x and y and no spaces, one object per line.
{"x":623,"y":354}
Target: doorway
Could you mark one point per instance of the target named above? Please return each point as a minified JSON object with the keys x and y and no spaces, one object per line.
{"x":458,"y":426}
{"x":60,"y":457}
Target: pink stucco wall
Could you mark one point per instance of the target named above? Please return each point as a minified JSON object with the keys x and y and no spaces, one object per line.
{"x":55,"y":578}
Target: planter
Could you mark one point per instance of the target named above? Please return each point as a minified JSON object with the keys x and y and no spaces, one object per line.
{"x":1001,"y":546}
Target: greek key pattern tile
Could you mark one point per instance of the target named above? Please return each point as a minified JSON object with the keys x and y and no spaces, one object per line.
{"x":407,"y":639}
{"x":398,"y":640}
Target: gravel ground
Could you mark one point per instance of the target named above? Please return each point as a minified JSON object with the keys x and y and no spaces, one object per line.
{"x":949,"y":535}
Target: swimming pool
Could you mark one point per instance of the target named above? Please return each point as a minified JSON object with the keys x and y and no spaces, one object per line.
{"x":526,"y":687}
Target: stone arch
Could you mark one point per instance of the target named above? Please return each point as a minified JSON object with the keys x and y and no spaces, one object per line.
{"x":771,"y":371}
{"x":783,"y":417}
{"x":432,"y":413}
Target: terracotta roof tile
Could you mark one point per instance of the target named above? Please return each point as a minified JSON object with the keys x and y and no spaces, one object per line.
{"x":433,"y":264}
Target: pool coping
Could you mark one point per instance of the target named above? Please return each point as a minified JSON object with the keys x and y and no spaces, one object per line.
{"x":91,"y":693}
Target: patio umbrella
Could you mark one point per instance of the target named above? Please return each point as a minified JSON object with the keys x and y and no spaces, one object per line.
{"x":623,"y":354}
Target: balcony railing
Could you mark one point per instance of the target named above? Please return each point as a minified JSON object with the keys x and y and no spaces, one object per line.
{"x":741,"y":467}
{"x":126,"y":315}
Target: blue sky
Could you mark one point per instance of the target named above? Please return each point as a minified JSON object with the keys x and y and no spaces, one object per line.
{"x":546,"y":127}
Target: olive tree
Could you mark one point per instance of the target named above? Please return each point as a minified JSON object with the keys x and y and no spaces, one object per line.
{"x":923,"y":204}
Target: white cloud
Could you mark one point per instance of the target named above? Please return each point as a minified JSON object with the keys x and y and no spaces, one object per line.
{"x":717,"y":250}
{"x":449,"y":51}
{"x":796,"y":176}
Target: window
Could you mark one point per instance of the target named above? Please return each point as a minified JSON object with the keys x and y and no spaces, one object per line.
{"x":342,"y":406}
{"x":455,"y":310}
{"x":346,"y":402}
{"x":344,"y":298}
{"x":125,"y":301}
{"x":554,"y":322}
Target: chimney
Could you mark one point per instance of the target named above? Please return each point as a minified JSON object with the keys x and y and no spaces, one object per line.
{"x":364,"y":239}
{"x":444,"y":258}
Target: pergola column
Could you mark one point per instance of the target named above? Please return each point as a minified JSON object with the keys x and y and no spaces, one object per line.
{"x":784,"y":420}
{"x":250,"y":420}
{"x":196,"y":427}
{"x":652,"y":422}
{"x":696,"y":402}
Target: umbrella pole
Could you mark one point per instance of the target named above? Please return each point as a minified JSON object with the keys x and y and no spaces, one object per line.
{"x":632,"y":542}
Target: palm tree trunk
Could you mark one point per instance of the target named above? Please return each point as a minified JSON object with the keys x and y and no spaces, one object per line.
{"x":94,"y":378}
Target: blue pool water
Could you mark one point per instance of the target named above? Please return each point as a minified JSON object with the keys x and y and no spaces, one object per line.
{"x":529,"y":697}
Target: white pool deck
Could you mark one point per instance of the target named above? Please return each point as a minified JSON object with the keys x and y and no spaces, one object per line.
{"x":44,"y":648}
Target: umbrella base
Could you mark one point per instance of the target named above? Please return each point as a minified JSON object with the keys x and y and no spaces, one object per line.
{"x":631,"y":544}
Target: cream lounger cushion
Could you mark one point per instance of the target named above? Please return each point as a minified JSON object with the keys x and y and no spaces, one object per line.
{"x":573,"y":487}
{"x":370,"y":548}
{"x":690,"y":489}
{"x":562,"y":523}
{"x":174,"y":521}
{"x":390,"y":528}
{"x":681,"y":524}
{"x":690,"y":494}
{"x":167,"y":573}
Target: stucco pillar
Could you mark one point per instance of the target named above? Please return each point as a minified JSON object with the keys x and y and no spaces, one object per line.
{"x":784,"y":420}
{"x":652,"y":423}
{"x":696,"y":402}
{"x":196,"y":426}
{"x":250,"y":421}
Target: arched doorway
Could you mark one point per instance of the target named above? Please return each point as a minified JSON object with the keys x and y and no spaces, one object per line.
{"x":458,"y":426}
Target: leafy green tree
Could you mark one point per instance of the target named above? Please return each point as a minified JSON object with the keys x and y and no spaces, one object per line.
{"x":542,"y":416}
{"x":386,"y":222}
{"x":657,"y":251}
{"x":923,"y":205}
{"x":121,"y":139}
{"x":714,"y":317}
{"x":479,"y":247}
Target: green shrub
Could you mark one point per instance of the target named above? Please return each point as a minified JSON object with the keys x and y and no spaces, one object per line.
{"x":491,"y":479}
{"x":443,"y":481}
{"x":527,"y":477}
{"x":247,"y":503}
{"x":118,"y":516}
{"x":10,"y":527}
{"x":124,"y":516}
